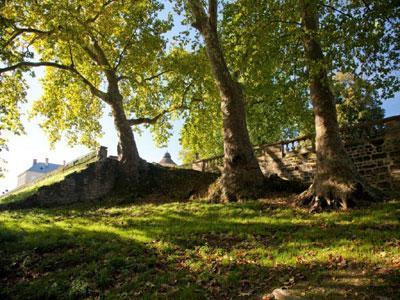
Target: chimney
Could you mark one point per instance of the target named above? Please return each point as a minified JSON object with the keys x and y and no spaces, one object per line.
{"x":34,"y":161}
{"x":64,"y":162}
{"x":47,"y":161}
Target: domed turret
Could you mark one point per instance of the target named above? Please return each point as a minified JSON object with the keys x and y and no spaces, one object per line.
{"x":166,"y":161}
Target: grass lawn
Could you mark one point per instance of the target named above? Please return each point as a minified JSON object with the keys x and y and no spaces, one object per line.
{"x":199,"y":251}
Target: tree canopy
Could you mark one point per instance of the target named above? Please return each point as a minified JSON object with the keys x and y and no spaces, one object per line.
{"x":81,"y":44}
{"x":262,"y":43}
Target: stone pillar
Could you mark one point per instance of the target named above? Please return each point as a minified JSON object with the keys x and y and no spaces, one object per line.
{"x":102,"y":153}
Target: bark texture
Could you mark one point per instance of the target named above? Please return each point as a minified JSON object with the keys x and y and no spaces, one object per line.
{"x":336,"y":184}
{"x":127,"y":150}
{"x":242,"y":177}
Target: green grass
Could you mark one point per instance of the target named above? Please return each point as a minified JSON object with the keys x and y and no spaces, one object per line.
{"x":199,"y":251}
{"x":29,"y":190}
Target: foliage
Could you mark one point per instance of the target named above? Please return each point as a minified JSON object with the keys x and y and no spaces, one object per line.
{"x":70,"y":109}
{"x":357,"y":37}
{"x":276,"y":109}
{"x":355,"y":101}
{"x":202,"y":130}
{"x":87,"y":46}
{"x":189,"y":86}
{"x":199,"y":251}
{"x":273,"y":79}
{"x":361,"y":37}
{"x":12,"y":94}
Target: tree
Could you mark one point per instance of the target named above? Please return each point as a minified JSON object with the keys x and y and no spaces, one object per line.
{"x":95,"y":52}
{"x":354,"y":37}
{"x":242,"y":176}
{"x":276,"y":102}
{"x":356,"y":99}
{"x":256,"y":36}
{"x":336,"y":182}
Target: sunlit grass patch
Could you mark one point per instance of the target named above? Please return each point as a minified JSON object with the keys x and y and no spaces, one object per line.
{"x":198,"y":250}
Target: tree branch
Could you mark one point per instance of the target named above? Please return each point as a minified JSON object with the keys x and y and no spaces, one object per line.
{"x":18,"y":31}
{"x":369,"y":9}
{"x":337,"y":10}
{"x":199,"y":15}
{"x":34,"y":64}
{"x":112,"y":78}
{"x":122,"y":53}
{"x":91,"y":54}
{"x":100,"y":55}
{"x":33,"y":30}
{"x":98,"y":14}
{"x":156,"y":75}
{"x":122,"y":77}
{"x":71,"y":56}
{"x":213,"y":13}
{"x":95,"y":91}
{"x":154,"y":119}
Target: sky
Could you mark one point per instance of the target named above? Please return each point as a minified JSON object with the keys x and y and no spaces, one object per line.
{"x":34,"y":144}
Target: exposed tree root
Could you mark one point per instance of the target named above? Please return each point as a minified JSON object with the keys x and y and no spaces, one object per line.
{"x":331,"y":195}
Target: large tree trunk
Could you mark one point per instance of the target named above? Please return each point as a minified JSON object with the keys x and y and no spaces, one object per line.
{"x":336,"y":183}
{"x":242,"y":177}
{"x":127,"y":150}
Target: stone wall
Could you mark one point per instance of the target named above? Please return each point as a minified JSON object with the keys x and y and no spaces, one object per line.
{"x":373,"y":147}
{"x":297,"y":164}
{"x":92,"y":183}
{"x":378,"y":159}
{"x":102,"y":180}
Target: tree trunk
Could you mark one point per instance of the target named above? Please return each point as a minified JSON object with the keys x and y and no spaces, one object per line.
{"x":242,"y":177}
{"x":127,"y":151}
{"x":336,"y":183}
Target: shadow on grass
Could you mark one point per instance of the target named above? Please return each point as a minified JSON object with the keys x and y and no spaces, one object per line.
{"x":79,"y":264}
{"x":69,"y":264}
{"x":192,"y":251}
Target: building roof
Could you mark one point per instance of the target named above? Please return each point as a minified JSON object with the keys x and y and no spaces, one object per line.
{"x":41,"y":167}
{"x":166,"y":160}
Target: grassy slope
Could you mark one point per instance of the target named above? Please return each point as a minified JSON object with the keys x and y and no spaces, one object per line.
{"x":199,"y":250}
{"x":31,"y":189}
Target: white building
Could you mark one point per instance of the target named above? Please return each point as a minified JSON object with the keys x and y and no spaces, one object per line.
{"x":38,"y":169}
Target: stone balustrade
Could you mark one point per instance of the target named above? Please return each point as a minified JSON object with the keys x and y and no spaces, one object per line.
{"x":374,"y":148}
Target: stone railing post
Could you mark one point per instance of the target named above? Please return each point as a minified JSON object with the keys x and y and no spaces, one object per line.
{"x":102,"y":153}
{"x":283,"y":149}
